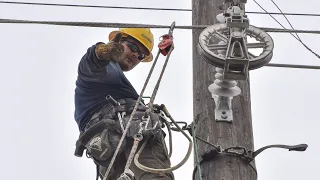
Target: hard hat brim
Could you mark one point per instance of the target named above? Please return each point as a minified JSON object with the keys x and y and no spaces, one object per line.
{"x":113,"y":34}
{"x":148,"y":58}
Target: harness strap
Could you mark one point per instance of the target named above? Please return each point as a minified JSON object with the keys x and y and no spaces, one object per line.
{"x":98,"y":172}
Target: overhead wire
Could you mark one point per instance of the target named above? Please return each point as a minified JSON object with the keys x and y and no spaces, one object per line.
{"x":120,"y":25}
{"x":285,"y":18}
{"x":292,"y":66}
{"x":289,"y":32}
{"x":143,"y":8}
{"x":98,"y":24}
{"x":95,"y":6}
{"x":131,"y":25}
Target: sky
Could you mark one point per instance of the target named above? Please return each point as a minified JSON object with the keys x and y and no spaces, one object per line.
{"x":39,"y":69}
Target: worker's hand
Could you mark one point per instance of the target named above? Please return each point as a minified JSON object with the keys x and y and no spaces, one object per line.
{"x":111,"y":51}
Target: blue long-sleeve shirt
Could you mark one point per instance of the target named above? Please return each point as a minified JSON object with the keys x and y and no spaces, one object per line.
{"x":97,"y":79}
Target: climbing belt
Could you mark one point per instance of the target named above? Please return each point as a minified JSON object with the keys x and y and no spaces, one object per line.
{"x":165,"y":48}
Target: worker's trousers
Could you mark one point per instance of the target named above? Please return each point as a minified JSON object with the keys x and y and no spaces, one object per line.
{"x":154,"y":154}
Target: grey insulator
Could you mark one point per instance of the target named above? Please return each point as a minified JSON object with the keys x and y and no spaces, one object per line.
{"x":222,"y":87}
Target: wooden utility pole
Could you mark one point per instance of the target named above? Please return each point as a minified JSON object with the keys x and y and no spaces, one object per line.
{"x":237,"y":133}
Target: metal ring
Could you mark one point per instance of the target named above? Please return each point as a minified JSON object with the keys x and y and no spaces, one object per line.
{"x":208,"y":48}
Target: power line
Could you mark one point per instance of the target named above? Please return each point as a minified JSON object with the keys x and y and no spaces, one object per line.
{"x":144,"y":8}
{"x":287,"y":14}
{"x":292,"y":66}
{"x":309,"y":49}
{"x":277,"y":30}
{"x":93,"y":6}
{"x":285,"y":18}
{"x":121,"y":25}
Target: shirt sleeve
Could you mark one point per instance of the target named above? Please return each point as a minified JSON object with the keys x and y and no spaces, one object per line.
{"x":90,"y":67}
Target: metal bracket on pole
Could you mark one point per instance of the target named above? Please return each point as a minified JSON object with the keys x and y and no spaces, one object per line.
{"x":223,"y":108}
{"x":237,"y":56}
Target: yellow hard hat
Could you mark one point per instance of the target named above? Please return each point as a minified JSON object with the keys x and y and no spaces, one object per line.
{"x":143,"y":35}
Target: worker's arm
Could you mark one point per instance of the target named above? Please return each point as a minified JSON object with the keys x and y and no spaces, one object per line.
{"x":93,"y":63}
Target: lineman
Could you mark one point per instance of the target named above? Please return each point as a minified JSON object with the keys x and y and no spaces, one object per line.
{"x":100,"y":75}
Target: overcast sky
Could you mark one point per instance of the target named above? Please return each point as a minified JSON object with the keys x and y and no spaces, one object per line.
{"x":39,"y":69}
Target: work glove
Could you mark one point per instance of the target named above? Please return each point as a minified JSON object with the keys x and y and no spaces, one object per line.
{"x":111,"y":51}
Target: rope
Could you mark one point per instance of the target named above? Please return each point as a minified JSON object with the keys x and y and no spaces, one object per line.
{"x":129,"y":25}
{"x":195,"y":145}
{"x":131,"y":117}
{"x":143,"y":8}
{"x":170,"y":138}
{"x":137,"y":103}
{"x":156,"y":88}
{"x":167,"y":170}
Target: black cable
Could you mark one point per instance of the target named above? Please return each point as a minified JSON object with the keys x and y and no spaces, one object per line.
{"x":130,"y":25}
{"x":287,"y":14}
{"x":93,"y":6}
{"x":143,"y":8}
{"x":290,"y":33}
{"x":286,"y":18}
{"x":292,"y":66}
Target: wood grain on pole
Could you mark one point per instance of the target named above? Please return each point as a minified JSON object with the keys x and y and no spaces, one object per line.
{"x":237,"y":133}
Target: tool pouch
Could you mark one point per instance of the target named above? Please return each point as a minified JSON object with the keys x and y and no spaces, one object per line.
{"x":103,"y":131}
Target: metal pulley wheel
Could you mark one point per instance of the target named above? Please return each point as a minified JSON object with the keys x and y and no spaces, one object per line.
{"x":215,"y":39}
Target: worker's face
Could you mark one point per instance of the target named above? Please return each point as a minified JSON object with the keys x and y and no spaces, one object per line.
{"x":133,"y":53}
